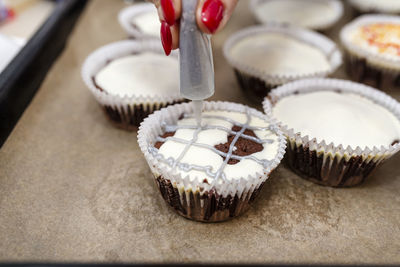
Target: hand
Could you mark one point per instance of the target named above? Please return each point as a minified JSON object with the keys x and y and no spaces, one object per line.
{"x":211,"y":16}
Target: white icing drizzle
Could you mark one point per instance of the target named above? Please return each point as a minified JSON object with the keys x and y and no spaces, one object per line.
{"x":175,"y":163}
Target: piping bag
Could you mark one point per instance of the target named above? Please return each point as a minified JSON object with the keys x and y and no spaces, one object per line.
{"x":195,"y":60}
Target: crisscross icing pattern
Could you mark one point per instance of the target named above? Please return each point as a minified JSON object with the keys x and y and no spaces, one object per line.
{"x":175,"y":163}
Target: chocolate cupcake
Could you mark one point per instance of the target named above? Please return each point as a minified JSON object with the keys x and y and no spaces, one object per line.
{"x":374,"y":6}
{"x":316,"y":15}
{"x":338,"y":131}
{"x":372,"y":47}
{"x":264,"y":57}
{"x":211,"y":172}
{"x":131,"y":79}
{"x":140,"y":21}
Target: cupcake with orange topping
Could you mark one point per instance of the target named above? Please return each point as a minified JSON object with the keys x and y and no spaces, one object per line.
{"x":372,"y":44}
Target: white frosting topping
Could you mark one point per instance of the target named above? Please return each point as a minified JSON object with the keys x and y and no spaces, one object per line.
{"x":378,"y":5}
{"x":279,"y":54}
{"x":141,"y":74}
{"x":306,"y":13}
{"x":148,"y":23}
{"x":341,"y":118}
{"x":201,"y":154}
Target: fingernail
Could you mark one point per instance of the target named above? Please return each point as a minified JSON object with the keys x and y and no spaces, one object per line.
{"x":166,"y":37}
{"x":169,"y":11}
{"x":10,"y":13}
{"x":212,"y":14}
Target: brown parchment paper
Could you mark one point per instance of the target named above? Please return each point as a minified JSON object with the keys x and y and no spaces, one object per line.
{"x":75,"y":189}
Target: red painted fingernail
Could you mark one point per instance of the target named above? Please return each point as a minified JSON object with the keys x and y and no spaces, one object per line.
{"x":10,"y":13}
{"x":169,"y":11}
{"x":212,"y":14}
{"x":166,"y":37}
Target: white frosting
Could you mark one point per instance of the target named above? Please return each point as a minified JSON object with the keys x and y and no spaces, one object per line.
{"x":389,"y":6}
{"x":278,"y":54}
{"x":305,"y":13}
{"x":341,"y":118}
{"x":148,"y":23}
{"x":142,"y":74}
{"x":201,"y":156}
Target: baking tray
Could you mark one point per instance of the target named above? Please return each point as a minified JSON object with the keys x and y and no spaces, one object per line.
{"x":23,"y":76}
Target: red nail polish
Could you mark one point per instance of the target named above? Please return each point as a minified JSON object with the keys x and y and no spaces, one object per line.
{"x":212,"y":14}
{"x":166,"y":37}
{"x":10,"y":13}
{"x":169,"y":11}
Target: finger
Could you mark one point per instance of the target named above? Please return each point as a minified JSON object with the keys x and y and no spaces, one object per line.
{"x":212,"y":15}
{"x":169,"y":10}
{"x":169,"y":37}
{"x":175,"y":35}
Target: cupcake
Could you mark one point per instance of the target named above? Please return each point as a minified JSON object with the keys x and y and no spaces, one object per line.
{"x":211,"y":172}
{"x":316,"y":15}
{"x":264,"y":57}
{"x":131,"y":79}
{"x":140,"y":21}
{"x":338,"y":131}
{"x":372,"y":44}
{"x":374,"y":6}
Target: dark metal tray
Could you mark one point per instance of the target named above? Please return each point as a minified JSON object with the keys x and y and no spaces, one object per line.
{"x":23,"y":76}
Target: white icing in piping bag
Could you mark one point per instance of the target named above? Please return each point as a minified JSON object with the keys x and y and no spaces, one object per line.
{"x":195,"y":58}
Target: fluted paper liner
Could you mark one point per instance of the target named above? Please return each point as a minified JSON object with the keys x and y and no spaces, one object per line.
{"x":323,"y":25}
{"x":332,"y":164}
{"x":126,"y":15}
{"x":126,"y":111}
{"x":251,"y":78}
{"x":226,"y":198}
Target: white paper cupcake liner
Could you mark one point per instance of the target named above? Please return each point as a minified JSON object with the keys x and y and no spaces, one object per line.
{"x":332,"y":164}
{"x":337,"y":7}
{"x":126,"y":16}
{"x":375,"y":6}
{"x":229,"y":198}
{"x":245,"y":72}
{"x":126,"y":110}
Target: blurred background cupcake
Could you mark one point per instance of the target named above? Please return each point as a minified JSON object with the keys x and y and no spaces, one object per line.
{"x":267,"y":56}
{"x":131,"y":79}
{"x":140,"y":21}
{"x":376,"y":6}
{"x":372,"y":45}
{"x":312,"y":14}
